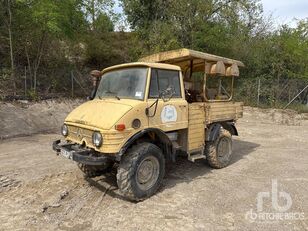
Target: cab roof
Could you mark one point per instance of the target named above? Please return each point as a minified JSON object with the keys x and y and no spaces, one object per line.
{"x":142,"y":64}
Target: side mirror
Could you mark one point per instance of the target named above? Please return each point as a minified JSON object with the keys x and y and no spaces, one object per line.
{"x":95,"y":78}
{"x":167,"y":94}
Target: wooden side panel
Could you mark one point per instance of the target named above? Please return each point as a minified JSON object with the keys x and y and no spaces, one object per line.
{"x":222,"y":111}
{"x":196,"y":125}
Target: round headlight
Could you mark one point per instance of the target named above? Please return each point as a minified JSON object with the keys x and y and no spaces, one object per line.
{"x":97,"y":139}
{"x":64,"y":130}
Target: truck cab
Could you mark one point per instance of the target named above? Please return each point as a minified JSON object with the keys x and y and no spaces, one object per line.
{"x":145,"y":113}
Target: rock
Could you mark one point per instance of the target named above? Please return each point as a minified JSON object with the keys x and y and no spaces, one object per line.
{"x":23,"y":101}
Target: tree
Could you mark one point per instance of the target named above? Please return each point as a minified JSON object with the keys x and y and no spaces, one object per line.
{"x":103,"y":23}
{"x":40,"y":21}
{"x":193,"y":23}
{"x":96,"y":10}
{"x":7,"y":18}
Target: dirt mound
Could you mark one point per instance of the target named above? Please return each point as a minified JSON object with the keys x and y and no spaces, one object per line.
{"x":277,"y":116}
{"x":24,"y":118}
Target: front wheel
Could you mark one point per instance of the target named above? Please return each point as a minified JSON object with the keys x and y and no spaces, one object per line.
{"x":141,"y":171}
{"x":218,"y":152}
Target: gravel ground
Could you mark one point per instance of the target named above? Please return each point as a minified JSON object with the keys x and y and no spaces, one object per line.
{"x":42,"y":191}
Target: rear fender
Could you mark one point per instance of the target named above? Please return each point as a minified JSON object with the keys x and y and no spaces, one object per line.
{"x":230,"y":126}
{"x":213,"y":130}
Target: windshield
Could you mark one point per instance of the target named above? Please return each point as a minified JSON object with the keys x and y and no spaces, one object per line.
{"x":126,"y":83}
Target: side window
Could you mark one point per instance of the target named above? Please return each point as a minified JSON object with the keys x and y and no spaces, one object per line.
{"x":162,"y":79}
{"x":168,"y":78}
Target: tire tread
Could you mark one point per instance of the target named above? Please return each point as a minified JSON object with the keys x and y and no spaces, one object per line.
{"x":211,"y":152}
{"x":127,"y":167}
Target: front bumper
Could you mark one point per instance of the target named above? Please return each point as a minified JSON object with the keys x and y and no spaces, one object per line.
{"x":79,"y":154}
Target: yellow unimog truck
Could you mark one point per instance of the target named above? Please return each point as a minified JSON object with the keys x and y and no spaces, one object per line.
{"x":146,"y":113}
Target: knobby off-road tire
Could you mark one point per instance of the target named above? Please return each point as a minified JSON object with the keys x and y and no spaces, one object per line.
{"x":218,"y":152}
{"x":91,"y":171}
{"x":141,"y":171}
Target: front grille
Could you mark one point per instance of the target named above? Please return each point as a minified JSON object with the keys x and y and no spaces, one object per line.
{"x":80,"y":134}
{"x":112,"y":140}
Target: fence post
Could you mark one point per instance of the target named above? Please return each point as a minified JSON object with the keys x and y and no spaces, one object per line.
{"x":72,"y":80}
{"x":259,"y":85}
{"x":25,"y":80}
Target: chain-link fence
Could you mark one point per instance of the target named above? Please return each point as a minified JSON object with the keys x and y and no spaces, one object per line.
{"x":264,"y":92}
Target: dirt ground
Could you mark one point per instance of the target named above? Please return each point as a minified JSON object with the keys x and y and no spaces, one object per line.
{"x":42,"y":191}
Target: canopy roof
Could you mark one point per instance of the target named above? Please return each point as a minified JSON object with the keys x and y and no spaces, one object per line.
{"x":199,"y":61}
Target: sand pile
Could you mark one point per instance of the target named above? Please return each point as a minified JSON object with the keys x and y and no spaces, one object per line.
{"x":24,"y":118}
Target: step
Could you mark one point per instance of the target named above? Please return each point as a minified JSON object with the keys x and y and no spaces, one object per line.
{"x":197,"y":156}
{"x":176,"y":146}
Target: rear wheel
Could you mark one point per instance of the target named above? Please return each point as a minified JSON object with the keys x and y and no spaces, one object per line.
{"x":96,"y":170}
{"x":218,"y":152}
{"x":141,"y":171}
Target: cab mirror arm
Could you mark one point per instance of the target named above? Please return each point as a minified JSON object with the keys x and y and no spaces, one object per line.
{"x":92,"y":94}
{"x":147,"y":110}
{"x":162,"y":96}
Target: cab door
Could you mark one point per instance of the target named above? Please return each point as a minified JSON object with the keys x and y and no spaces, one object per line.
{"x":171,"y":114}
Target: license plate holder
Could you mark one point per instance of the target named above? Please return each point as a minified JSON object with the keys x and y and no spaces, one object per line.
{"x":66,"y":154}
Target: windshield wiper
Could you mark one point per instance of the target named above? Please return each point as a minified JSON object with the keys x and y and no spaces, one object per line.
{"x":113,"y":93}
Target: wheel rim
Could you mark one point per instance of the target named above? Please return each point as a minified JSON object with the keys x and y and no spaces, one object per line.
{"x":147,"y":173}
{"x":224,"y":149}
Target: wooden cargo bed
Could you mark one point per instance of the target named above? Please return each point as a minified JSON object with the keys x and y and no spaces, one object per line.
{"x":210,"y":112}
{"x":222,"y":111}
{"x":202,"y":114}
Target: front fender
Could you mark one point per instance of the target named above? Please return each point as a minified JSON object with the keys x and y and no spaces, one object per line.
{"x":163,"y":139}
